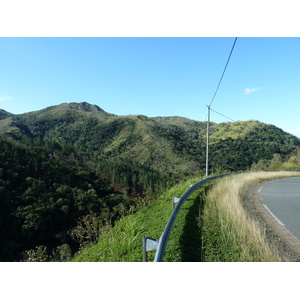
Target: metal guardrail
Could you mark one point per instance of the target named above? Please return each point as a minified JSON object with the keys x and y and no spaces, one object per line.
{"x":161,"y":244}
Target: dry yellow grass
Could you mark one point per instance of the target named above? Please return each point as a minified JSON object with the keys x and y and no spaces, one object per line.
{"x":236,"y":229}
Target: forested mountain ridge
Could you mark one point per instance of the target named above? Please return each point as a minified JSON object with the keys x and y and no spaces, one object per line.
{"x":169,"y":145}
{"x":4,"y":114}
{"x":88,"y":128}
{"x":74,"y":160}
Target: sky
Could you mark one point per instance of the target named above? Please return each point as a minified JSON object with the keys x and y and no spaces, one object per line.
{"x":156,"y":76}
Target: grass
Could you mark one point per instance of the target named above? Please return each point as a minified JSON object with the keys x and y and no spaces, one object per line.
{"x":233,"y":130}
{"x":228,"y":233}
{"x":207,"y":228}
{"x":123,"y":242}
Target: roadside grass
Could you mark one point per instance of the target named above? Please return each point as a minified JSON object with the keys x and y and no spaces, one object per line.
{"x":212,"y":225}
{"x":185,"y":243}
{"x":123,"y":242}
{"x":228,"y":233}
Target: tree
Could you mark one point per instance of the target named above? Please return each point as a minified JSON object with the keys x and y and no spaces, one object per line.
{"x":276,"y":162}
{"x":87,"y":229}
{"x":38,"y":254}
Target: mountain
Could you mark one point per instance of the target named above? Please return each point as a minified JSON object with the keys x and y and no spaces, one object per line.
{"x":4,"y":114}
{"x":90,"y":129}
{"x":169,"y":145}
{"x":73,"y":162}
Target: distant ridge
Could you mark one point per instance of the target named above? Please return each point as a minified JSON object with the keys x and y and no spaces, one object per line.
{"x":84,"y":106}
{"x":79,"y":106}
{"x":4,"y":114}
{"x":169,"y":145}
{"x":173,"y":120}
{"x":61,"y":109}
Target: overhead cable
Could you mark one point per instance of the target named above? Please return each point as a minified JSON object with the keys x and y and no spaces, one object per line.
{"x":223,"y":115}
{"x":223,"y":72}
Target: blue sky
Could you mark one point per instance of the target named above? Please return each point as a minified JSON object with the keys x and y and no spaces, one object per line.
{"x":161,"y":76}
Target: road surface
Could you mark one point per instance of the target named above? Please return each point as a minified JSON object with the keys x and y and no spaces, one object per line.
{"x":281,"y":198}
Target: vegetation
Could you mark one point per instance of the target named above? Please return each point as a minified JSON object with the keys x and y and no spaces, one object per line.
{"x":69,"y":172}
{"x":172,"y":146}
{"x":228,"y":233}
{"x":41,"y":199}
{"x":211,"y":226}
{"x":291,"y":162}
{"x":123,"y":242}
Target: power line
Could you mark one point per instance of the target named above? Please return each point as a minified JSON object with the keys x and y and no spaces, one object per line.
{"x":223,"y":72}
{"x":220,"y":115}
{"x":208,"y":106}
{"x":223,"y":115}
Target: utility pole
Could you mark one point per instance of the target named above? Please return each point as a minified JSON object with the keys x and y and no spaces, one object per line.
{"x":208,"y":106}
{"x":207,"y":140}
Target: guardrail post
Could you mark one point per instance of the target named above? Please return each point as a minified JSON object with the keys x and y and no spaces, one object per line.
{"x":162,"y":242}
{"x":149,"y":244}
{"x":174,"y":201}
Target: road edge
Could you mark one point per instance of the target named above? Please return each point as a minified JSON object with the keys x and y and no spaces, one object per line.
{"x":279,"y":239}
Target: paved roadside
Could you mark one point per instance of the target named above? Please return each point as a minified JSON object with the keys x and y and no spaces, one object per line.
{"x":277,"y":235}
{"x":281,"y":198}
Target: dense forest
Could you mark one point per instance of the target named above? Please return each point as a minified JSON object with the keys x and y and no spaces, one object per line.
{"x":69,"y":171}
{"x":41,"y":199}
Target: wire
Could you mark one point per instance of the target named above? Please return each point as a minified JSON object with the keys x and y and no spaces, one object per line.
{"x":223,"y":72}
{"x":223,"y":115}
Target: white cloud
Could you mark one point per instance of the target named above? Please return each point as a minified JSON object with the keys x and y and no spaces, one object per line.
{"x":4,"y":98}
{"x":248,"y":91}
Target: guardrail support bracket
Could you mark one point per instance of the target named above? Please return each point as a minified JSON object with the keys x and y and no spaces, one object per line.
{"x":174,"y":201}
{"x":149,"y":244}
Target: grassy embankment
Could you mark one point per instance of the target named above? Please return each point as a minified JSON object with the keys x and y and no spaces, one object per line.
{"x":208,"y":228}
{"x":124,"y":241}
{"x":229,"y":234}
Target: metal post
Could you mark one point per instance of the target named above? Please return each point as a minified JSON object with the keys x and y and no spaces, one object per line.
{"x":149,"y":244}
{"x":207,"y":140}
{"x":174,"y":201}
{"x":145,"y":258}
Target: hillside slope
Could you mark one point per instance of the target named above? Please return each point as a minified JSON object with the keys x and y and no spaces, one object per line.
{"x":170,"y":145}
{"x":74,"y":160}
{"x":42,"y":198}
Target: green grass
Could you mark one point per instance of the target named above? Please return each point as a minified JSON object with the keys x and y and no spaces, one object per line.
{"x":232,"y":130}
{"x":123,"y":243}
{"x":228,"y":233}
{"x":207,"y":228}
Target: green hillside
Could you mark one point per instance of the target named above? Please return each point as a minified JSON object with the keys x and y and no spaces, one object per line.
{"x":4,"y":114}
{"x":123,"y":243}
{"x":73,"y":162}
{"x":41,"y":199}
{"x":233,"y":130}
{"x":170,"y":145}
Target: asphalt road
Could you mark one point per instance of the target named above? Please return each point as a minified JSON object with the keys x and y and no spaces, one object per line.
{"x":281,"y":198}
